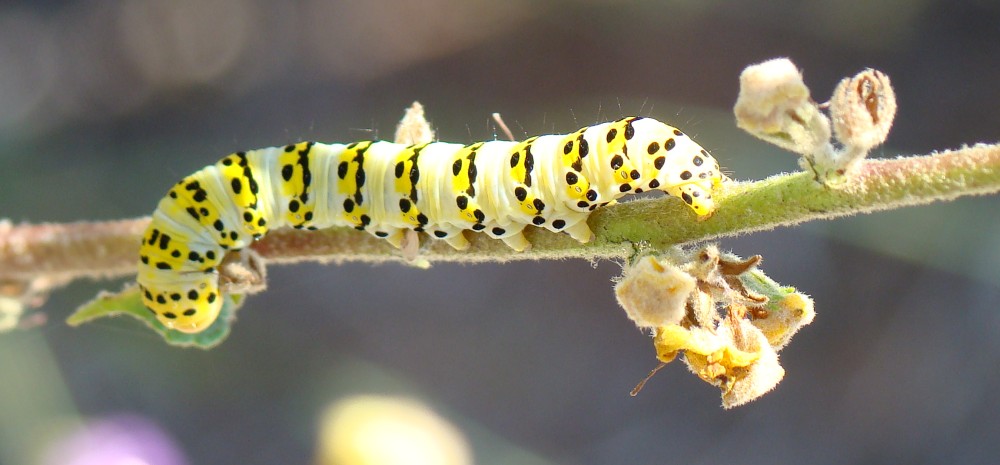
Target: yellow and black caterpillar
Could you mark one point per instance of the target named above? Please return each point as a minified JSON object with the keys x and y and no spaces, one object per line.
{"x":442,"y":189}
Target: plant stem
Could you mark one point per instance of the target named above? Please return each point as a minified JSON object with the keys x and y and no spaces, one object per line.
{"x":110,"y":249}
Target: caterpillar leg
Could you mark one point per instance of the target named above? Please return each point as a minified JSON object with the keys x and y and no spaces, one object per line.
{"x":517,"y":241}
{"x":394,"y":237}
{"x":580,"y":232}
{"x":458,"y":241}
{"x":410,"y":244}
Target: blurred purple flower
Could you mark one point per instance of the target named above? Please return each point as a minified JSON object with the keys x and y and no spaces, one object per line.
{"x":116,"y":440}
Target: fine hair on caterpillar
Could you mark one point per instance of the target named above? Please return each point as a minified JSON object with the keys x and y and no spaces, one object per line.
{"x":442,"y":189}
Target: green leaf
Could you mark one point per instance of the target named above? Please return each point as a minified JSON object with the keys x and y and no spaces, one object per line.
{"x":760,"y":283}
{"x":128,"y":302}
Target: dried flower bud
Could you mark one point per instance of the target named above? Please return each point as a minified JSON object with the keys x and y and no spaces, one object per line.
{"x":774,"y":105}
{"x":703,"y":263}
{"x":767,"y":92}
{"x":785,"y":311}
{"x":737,"y":351}
{"x":413,"y":128}
{"x":862,"y":109}
{"x":757,"y":378}
{"x":653,"y":292}
{"x":784,"y":318}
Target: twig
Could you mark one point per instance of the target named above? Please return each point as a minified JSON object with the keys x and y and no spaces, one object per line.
{"x":110,"y":249}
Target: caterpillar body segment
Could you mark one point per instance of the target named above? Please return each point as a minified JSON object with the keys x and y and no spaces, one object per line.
{"x":387,"y":189}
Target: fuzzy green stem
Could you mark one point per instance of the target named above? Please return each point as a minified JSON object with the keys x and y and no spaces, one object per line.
{"x":110,"y":249}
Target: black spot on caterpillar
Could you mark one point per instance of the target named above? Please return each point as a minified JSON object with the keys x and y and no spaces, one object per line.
{"x":551,"y":181}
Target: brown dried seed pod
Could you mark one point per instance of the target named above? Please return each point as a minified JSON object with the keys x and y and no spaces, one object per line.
{"x":862,"y":109}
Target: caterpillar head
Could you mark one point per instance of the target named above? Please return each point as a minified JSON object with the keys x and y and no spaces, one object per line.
{"x":188,"y":305}
{"x":677,"y":165}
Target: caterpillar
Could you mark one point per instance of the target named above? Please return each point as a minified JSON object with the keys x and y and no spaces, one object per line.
{"x":443,"y":189}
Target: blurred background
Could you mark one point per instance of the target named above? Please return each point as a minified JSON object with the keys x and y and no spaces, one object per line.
{"x":104,"y":104}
